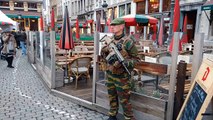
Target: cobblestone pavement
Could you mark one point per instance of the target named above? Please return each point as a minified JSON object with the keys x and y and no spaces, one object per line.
{"x":24,"y":97}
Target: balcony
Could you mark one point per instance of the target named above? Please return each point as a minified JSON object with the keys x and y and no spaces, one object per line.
{"x":18,"y":8}
{"x":4,"y":7}
{"x":32,"y":9}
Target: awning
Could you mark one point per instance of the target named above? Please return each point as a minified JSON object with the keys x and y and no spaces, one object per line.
{"x":90,"y":21}
{"x":207,"y":6}
{"x":24,"y":14}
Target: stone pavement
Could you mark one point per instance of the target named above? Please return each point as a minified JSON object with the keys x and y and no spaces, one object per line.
{"x":24,"y":97}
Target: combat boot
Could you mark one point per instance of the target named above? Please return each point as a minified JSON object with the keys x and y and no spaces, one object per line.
{"x":112,"y":118}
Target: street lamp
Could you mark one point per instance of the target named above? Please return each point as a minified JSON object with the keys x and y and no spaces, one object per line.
{"x":105,"y":5}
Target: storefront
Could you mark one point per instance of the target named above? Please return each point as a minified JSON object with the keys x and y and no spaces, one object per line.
{"x":26,"y":20}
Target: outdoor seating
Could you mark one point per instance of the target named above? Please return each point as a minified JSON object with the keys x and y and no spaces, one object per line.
{"x":80,"y":66}
{"x":152,"y":70}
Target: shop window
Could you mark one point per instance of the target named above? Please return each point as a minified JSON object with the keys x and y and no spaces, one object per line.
{"x":140,"y":8}
{"x":47,"y":55}
{"x":121,"y":10}
{"x":128,"y":8}
{"x":18,"y":4}
{"x":32,"y":5}
{"x":115,"y":12}
{"x":166,"y":5}
{"x":3,"y":3}
{"x":153,"y":6}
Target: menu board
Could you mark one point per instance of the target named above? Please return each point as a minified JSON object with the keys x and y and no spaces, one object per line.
{"x":194,"y":103}
{"x":200,"y":94}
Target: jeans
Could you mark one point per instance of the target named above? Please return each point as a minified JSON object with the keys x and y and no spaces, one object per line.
{"x":23,"y":48}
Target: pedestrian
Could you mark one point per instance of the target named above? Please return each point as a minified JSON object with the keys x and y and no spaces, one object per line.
{"x":22,"y":40}
{"x":1,"y":43}
{"x":118,"y":80}
{"x":9,"y":49}
{"x":15,"y":36}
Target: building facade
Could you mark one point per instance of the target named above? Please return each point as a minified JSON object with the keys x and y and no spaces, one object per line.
{"x":25,"y":12}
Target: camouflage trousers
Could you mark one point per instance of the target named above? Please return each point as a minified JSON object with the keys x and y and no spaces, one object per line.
{"x":119,"y":90}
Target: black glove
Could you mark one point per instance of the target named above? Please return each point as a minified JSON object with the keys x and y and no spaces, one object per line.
{"x":112,"y":59}
{"x":119,"y":46}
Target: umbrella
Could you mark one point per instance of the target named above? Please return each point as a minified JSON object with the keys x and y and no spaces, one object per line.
{"x":184,"y":38}
{"x":160,"y":35}
{"x":176,"y":24}
{"x":66,"y":42}
{"x":134,"y":19}
{"x":77,"y":30}
{"x":41,"y":23}
{"x":53,"y":20}
{"x":5,"y":23}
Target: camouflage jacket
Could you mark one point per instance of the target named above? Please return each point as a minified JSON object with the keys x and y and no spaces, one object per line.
{"x":128,"y":51}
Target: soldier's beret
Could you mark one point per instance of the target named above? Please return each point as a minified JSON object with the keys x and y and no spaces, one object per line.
{"x":117,"y":21}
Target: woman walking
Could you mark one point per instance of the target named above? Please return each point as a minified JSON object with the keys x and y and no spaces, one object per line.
{"x":9,"y":49}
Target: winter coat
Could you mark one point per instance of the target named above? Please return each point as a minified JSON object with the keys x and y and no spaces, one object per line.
{"x":9,"y":44}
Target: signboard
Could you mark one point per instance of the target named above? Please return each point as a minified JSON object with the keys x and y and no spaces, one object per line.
{"x":200,"y":93}
{"x":207,"y":7}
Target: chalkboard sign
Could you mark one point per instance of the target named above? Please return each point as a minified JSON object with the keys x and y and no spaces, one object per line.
{"x":194,"y":103}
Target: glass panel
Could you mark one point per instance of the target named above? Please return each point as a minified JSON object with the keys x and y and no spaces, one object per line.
{"x":166,"y":5}
{"x":140,"y":8}
{"x":18,"y":4}
{"x":115,"y":12}
{"x":128,"y":8}
{"x":38,"y":47}
{"x":153,"y":6}
{"x":4,"y":3}
{"x":32,"y":5}
{"x":47,"y":55}
{"x":75,"y":66}
{"x":121,"y":10}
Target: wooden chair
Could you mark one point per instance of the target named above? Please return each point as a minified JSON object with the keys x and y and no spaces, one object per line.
{"x":80,"y":66}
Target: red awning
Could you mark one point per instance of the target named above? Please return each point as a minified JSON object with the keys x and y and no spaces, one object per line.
{"x":90,"y":21}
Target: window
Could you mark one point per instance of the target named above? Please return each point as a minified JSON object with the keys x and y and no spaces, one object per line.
{"x":153,"y":6}
{"x":46,"y":50}
{"x":18,"y":4}
{"x":121,"y":10}
{"x":128,"y":9}
{"x":140,"y":8}
{"x":166,"y":5}
{"x":115,"y":12}
{"x":4,"y":3}
{"x":32,"y":5}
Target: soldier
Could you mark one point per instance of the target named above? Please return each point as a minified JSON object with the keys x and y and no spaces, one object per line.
{"x":118,"y":83}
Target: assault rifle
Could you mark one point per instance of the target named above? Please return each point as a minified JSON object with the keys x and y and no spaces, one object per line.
{"x":108,"y":41}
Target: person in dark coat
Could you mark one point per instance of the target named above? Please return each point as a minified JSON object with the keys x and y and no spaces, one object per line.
{"x":21,"y":37}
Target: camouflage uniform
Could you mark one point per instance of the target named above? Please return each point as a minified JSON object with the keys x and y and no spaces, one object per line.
{"x":118,"y":83}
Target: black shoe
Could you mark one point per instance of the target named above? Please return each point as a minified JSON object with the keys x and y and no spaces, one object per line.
{"x":112,"y":118}
{"x":10,"y":66}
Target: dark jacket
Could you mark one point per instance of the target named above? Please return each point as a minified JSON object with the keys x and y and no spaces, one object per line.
{"x":21,"y":36}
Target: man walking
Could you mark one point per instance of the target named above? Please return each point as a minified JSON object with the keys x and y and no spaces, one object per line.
{"x":118,"y":83}
{"x":21,"y":36}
